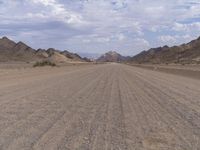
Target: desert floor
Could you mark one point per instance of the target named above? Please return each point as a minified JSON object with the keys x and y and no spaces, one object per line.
{"x":98,"y":107}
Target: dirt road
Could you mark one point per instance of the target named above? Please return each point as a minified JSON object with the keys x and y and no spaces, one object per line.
{"x":98,"y":107}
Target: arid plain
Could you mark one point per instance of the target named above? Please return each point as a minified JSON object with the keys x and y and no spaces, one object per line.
{"x":98,"y":107}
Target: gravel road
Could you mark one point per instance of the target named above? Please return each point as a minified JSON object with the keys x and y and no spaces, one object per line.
{"x":98,"y":107}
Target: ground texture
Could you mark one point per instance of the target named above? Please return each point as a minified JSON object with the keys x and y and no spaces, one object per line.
{"x":98,"y":107}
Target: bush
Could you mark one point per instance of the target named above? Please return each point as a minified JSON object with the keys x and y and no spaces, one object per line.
{"x":44,"y":63}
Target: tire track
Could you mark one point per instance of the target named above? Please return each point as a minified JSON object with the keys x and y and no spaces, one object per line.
{"x":167,"y":116}
{"x":104,"y":107}
{"x":74,"y":126}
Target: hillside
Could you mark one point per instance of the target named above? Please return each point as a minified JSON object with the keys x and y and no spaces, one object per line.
{"x":185,"y":53}
{"x":11,"y":51}
{"x":112,"y":56}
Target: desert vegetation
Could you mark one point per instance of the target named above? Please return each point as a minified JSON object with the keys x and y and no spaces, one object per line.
{"x":44,"y":63}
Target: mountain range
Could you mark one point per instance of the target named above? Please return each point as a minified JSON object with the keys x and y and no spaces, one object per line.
{"x":11,"y":51}
{"x":184,"y":54}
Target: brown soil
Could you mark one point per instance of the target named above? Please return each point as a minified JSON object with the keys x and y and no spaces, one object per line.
{"x":98,"y":107}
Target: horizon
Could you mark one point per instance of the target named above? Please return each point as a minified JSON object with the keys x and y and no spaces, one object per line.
{"x":97,"y":55}
{"x":126,"y":26}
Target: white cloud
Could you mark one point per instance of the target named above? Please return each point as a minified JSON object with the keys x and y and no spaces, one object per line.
{"x":58,"y":11}
{"x":174,"y":40}
{"x":167,"y":39}
{"x":127,"y":25}
{"x":45,"y":2}
{"x":142,"y":43}
{"x":186,"y":27}
{"x":121,"y":37}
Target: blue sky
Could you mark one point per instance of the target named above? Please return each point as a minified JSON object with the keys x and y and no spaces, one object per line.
{"x":97,"y":26}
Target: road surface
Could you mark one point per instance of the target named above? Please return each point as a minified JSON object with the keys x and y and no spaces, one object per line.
{"x":98,"y":107}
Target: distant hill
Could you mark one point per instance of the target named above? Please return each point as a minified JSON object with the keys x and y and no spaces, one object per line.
{"x":112,"y":56}
{"x":71,"y":55}
{"x":11,"y":51}
{"x":185,"y":53}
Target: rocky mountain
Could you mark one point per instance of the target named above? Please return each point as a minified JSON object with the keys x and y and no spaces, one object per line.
{"x":87,"y":59}
{"x":71,"y":55}
{"x":11,"y":51}
{"x":185,"y":53}
{"x":42,"y":53}
{"x":112,"y":56}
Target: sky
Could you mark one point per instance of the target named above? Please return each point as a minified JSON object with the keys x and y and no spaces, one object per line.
{"x":97,"y":26}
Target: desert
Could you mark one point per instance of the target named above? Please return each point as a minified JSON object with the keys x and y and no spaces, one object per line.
{"x":106,"y":106}
{"x":99,"y":75}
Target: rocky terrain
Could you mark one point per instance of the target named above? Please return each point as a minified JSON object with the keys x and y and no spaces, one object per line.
{"x":184,"y":54}
{"x":11,"y":51}
{"x":112,"y":56}
{"x":98,"y":107}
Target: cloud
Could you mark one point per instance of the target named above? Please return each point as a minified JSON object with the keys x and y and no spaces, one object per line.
{"x":174,"y":40}
{"x":129,"y":26}
{"x":59,"y":12}
{"x":186,"y":27}
{"x":167,"y":39}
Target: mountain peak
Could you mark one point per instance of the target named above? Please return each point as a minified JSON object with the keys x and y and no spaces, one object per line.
{"x":5,"y":38}
{"x":21,"y":44}
{"x":6,"y":43}
{"x":112,"y":52}
{"x":51,"y":51}
{"x":111,"y":56}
